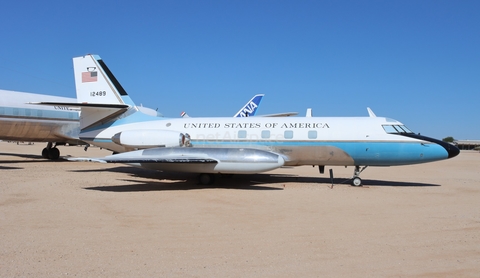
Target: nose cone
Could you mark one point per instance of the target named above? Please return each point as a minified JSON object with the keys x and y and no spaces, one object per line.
{"x":451,"y":149}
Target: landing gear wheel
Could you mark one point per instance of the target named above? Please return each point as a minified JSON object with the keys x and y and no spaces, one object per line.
{"x":53,"y":153}
{"x":206,"y":179}
{"x":45,"y":153}
{"x":357,"y":181}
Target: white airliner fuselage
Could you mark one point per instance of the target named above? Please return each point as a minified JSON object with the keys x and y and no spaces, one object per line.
{"x":20,"y":121}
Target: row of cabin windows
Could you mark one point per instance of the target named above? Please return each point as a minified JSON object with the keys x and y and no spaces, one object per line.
{"x":8,"y":111}
{"x":287,"y":134}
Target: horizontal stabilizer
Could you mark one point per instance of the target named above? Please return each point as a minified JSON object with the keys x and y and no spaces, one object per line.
{"x":92,"y":113}
{"x":75,"y":104}
{"x":286,"y":114}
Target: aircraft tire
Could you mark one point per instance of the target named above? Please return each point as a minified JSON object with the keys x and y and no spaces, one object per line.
{"x":206,"y":179}
{"x":54,"y":153}
{"x":356,"y":181}
{"x":45,"y":153}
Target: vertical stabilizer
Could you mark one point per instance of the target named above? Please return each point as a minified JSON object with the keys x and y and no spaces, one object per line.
{"x":250,"y":108}
{"x":96,"y":85}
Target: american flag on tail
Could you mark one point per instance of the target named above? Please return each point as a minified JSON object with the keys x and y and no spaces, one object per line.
{"x":89,"y":76}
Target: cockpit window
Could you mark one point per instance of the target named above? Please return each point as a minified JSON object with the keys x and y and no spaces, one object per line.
{"x":396,"y":129}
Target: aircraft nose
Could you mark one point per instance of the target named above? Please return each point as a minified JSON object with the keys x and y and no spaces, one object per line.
{"x":451,"y":149}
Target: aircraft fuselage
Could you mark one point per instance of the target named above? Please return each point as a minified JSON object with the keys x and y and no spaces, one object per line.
{"x":300,"y":140}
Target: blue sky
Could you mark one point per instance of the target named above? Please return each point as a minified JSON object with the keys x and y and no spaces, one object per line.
{"x":414,"y":61}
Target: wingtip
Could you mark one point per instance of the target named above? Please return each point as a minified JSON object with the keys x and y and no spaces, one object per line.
{"x":86,"y":159}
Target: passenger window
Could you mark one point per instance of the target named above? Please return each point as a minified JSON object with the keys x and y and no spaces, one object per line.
{"x":288,"y":134}
{"x":312,"y":134}
{"x":242,"y":134}
{"x":266,"y":134}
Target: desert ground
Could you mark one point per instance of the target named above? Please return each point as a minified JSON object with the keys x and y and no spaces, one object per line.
{"x":64,"y":218}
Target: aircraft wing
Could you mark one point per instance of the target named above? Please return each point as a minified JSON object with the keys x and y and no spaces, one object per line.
{"x":198,"y":160}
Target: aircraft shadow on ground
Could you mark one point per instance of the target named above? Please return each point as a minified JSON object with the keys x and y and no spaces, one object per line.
{"x":9,"y":168}
{"x":35,"y":158}
{"x":165,"y":181}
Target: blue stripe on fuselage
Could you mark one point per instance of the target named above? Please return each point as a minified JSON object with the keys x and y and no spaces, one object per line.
{"x":363,"y":153}
{"x":31,"y":113}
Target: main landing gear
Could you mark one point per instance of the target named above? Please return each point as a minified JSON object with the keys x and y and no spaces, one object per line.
{"x":206,"y":179}
{"x":50,"y":152}
{"x":356,"y":180}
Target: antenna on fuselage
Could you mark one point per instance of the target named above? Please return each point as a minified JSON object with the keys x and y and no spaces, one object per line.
{"x":370,"y":113}
{"x":309,"y":113}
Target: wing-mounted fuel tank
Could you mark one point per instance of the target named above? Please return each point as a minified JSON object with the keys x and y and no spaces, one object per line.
{"x":200,"y":160}
{"x":145,"y":139}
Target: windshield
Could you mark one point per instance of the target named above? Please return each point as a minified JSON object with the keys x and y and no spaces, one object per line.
{"x":396,"y":129}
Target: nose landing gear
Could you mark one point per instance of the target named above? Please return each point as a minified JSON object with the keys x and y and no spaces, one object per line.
{"x":356,"y":180}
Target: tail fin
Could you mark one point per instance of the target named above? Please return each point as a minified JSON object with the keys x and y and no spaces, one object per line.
{"x":250,"y":108}
{"x":95,"y":83}
{"x":100,"y":95}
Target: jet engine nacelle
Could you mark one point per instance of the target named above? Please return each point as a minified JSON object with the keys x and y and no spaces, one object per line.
{"x":145,"y":139}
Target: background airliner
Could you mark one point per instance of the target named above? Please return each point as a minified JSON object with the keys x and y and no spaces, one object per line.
{"x":56,"y":125}
{"x":20,"y":121}
{"x":249,"y":109}
{"x":207,"y":146}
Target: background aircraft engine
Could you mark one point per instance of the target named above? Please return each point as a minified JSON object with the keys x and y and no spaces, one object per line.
{"x":144,"y":139}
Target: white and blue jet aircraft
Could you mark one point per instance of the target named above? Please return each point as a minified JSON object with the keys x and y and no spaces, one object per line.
{"x":111,"y":120}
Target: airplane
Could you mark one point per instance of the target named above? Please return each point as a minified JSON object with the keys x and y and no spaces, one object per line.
{"x":248,"y":110}
{"x":57,"y":125}
{"x":246,"y":145}
{"x":20,"y":121}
